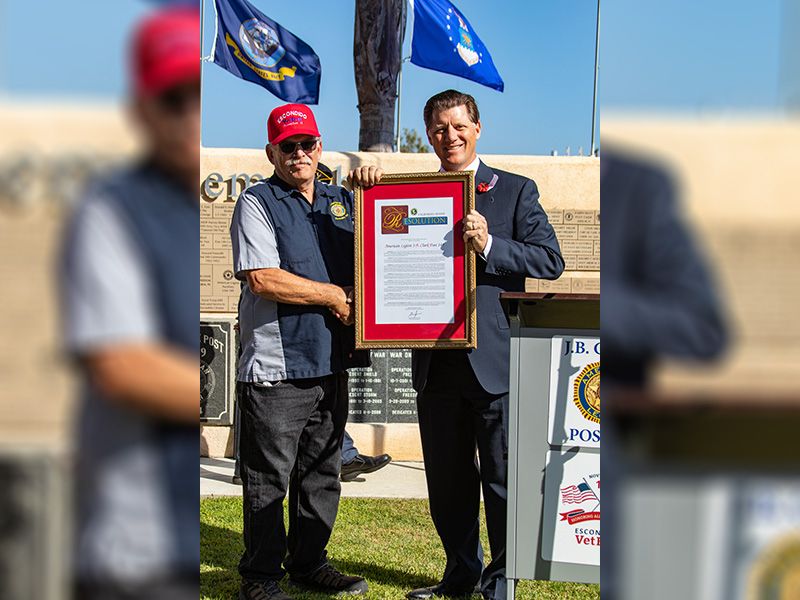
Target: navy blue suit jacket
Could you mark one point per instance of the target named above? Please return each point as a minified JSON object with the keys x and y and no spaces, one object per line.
{"x":659,"y":297}
{"x":523,"y":245}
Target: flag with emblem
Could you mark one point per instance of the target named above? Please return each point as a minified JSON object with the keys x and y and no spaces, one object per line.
{"x":255,"y":48}
{"x":443,"y":40}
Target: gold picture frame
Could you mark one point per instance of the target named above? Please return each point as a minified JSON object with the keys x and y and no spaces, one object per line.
{"x":461,"y":332}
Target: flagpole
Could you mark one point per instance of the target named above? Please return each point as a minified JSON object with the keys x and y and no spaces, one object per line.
{"x":400,"y":77}
{"x":399,"y":92}
{"x":596,"y":69}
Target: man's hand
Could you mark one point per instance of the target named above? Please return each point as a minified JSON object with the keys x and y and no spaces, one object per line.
{"x":476,"y":231}
{"x":366,"y":176}
{"x":342,"y":305}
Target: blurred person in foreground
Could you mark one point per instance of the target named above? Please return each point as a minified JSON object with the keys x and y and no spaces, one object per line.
{"x":462,"y":395}
{"x":658,"y":300}
{"x":292,"y":240}
{"x":129,"y":284}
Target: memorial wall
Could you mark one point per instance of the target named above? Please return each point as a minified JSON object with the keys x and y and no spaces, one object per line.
{"x":382,"y":400}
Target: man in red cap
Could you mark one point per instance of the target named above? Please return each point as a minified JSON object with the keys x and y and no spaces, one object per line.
{"x":292,"y":242}
{"x":129,"y":289}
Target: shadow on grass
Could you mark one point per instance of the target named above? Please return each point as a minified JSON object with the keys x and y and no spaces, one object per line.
{"x":221,"y":549}
{"x":382,"y":575}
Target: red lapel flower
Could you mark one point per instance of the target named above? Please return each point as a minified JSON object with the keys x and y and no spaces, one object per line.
{"x":485,"y":187}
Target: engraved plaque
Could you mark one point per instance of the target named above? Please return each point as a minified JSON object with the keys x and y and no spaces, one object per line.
{"x":383,"y":393}
{"x":218,"y":349}
{"x":559,"y":286}
{"x":401,"y":397}
{"x":556,"y":217}
{"x":219,"y":290}
{"x":566,"y":232}
{"x":585,"y":285}
{"x":367,"y":389}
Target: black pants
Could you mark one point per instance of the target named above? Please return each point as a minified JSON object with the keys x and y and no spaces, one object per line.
{"x":291,"y":436}
{"x":456,"y":417}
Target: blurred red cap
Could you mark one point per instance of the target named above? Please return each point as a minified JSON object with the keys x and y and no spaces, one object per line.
{"x":166,"y":50}
{"x":291,"y":119}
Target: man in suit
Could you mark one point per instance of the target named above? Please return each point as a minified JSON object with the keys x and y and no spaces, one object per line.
{"x":462,"y":395}
{"x":659,"y":300}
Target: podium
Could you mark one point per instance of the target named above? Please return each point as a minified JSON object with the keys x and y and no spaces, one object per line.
{"x":553,"y":528}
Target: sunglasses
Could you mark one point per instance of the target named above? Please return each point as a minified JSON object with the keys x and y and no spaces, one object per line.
{"x":291,"y":147}
{"x":177,"y":101}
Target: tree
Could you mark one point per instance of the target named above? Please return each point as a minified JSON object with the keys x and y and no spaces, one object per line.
{"x":411,"y":141}
{"x":380,"y":26}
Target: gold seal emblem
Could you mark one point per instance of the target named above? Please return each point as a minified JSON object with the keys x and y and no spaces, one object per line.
{"x":776,"y":571}
{"x":338,"y":210}
{"x":587,"y":392}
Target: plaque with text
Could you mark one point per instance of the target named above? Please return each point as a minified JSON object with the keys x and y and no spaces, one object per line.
{"x":217,"y":377}
{"x":367,"y":389}
{"x":400,"y":395}
{"x":383,"y":393}
{"x":415,"y":277}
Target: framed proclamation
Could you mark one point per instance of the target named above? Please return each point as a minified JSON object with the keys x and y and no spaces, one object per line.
{"x":415,"y":279}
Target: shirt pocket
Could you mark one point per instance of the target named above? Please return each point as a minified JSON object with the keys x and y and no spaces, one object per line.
{"x":298,"y":264}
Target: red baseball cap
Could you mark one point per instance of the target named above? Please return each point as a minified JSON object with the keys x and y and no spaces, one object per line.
{"x":291,"y":119}
{"x":165,"y":50}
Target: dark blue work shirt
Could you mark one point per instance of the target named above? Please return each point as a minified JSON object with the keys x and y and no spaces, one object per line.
{"x":274,"y":226}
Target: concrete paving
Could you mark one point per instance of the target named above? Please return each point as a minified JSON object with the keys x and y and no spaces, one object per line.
{"x":397,"y":480}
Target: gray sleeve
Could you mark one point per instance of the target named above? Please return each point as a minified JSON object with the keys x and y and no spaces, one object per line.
{"x":252,"y":237}
{"x":105,"y":288}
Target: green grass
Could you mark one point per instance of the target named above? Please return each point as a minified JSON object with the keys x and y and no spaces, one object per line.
{"x":390,"y":542}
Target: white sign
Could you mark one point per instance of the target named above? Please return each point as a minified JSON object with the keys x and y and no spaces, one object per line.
{"x":574,"y":411}
{"x":414,"y":260}
{"x":571,"y":519}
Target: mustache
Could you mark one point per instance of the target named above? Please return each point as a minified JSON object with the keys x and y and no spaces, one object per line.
{"x":297,"y":161}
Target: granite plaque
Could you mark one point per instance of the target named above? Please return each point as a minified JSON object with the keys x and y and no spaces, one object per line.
{"x":382,"y":393}
{"x":368,"y":391}
{"x":217,"y":375}
{"x":401,"y":397}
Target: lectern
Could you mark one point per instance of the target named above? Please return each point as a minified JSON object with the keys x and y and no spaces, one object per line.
{"x":554,"y":438}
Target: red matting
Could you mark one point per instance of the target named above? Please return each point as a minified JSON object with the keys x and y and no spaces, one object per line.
{"x":423,"y":331}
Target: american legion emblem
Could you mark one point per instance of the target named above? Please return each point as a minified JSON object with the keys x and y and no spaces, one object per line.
{"x":338,"y":210}
{"x":587,"y":392}
{"x":776,"y":571}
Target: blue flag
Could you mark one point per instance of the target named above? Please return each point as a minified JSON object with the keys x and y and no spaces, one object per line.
{"x":443,"y":40}
{"x":255,"y":48}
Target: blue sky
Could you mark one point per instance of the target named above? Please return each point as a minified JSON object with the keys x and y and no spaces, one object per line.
{"x":690,"y":55}
{"x":543,"y":50}
{"x":680,"y":55}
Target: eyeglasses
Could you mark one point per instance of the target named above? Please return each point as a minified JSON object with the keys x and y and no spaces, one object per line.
{"x":291,"y":147}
